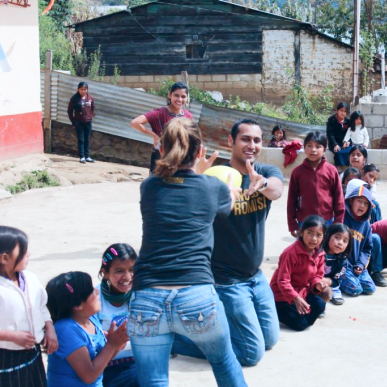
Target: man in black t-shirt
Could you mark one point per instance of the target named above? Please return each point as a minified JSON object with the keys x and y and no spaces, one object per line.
{"x":238,"y":253}
{"x":239,"y":248}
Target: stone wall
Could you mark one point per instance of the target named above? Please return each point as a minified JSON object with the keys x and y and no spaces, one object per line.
{"x":375,"y":118}
{"x":103,"y":146}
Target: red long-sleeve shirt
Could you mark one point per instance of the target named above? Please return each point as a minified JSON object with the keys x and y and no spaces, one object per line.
{"x":315,"y":192}
{"x":380,"y":228}
{"x":297,"y":273}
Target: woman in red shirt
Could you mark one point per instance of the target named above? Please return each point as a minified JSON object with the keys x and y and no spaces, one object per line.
{"x":157,"y":118}
{"x":297,"y":283}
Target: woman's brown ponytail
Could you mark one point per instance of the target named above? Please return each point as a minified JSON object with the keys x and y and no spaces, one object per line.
{"x":181,"y":140}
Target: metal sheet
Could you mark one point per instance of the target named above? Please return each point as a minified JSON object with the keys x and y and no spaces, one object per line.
{"x":116,"y":106}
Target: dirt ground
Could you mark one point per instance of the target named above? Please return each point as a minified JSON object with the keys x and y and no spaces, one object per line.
{"x":68,"y":170}
{"x":70,"y":226}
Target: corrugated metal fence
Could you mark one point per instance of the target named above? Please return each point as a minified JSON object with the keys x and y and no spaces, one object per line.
{"x":117,"y":106}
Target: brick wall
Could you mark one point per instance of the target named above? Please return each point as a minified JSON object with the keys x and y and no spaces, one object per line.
{"x":247,"y":86}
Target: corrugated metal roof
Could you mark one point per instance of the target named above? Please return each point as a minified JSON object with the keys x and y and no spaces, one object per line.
{"x":116,"y":106}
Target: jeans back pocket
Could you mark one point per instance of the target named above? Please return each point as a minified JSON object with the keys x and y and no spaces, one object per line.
{"x":144,"y":323}
{"x":198,"y":319}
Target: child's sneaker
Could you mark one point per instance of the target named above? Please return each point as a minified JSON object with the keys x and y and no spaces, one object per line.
{"x":337,"y":297}
{"x":82,"y":160}
{"x":90,"y":160}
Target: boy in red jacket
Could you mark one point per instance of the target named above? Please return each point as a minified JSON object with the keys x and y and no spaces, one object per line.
{"x":315,"y":187}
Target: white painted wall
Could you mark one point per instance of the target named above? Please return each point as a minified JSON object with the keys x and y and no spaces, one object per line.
{"x":325,"y":63}
{"x":278,"y":56}
{"x":19,"y":37}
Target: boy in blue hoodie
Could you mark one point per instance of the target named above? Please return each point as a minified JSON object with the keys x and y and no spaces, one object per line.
{"x":358,"y":206}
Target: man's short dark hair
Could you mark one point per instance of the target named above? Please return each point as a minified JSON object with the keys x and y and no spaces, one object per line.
{"x":235,"y":127}
{"x":317,"y":137}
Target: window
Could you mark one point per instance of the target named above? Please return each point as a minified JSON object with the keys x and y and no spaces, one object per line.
{"x":195,"y":51}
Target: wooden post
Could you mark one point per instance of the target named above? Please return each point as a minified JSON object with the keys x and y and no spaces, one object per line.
{"x":47,"y":103}
{"x":184,"y":79}
{"x":356,"y":50}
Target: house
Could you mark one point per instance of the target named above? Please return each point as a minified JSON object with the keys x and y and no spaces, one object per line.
{"x":222,"y":46}
{"x":20,"y":108}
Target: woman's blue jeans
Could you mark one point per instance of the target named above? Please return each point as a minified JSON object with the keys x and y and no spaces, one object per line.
{"x":194,"y":312}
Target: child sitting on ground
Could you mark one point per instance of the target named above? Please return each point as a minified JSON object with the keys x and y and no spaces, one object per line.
{"x":337,"y":246}
{"x":25,"y":322}
{"x":115,"y":292}
{"x":84,"y":351}
{"x":315,"y":187}
{"x":356,"y":279}
{"x":278,"y":137}
{"x":299,"y":292}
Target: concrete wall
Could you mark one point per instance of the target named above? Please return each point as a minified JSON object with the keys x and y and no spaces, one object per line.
{"x":322,"y":63}
{"x":375,"y":118}
{"x":20,"y":109}
{"x":103,"y":146}
{"x":276,"y":157}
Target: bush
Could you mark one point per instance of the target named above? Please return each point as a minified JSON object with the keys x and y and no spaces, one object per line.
{"x":34,"y":179}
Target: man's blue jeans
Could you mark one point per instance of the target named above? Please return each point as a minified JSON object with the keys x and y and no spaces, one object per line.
{"x":252,"y":317}
{"x":195,"y":312}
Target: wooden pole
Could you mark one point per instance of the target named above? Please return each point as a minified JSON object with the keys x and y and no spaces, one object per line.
{"x":356,"y":50}
{"x":185,"y":80}
{"x":47,"y":102}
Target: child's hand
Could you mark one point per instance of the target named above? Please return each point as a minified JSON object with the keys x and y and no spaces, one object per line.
{"x":24,"y":339}
{"x":50,"y":340}
{"x":358,"y":270}
{"x":294,"y":233}
{"x":345,"y":145}
{"x":320,"y":287}
{"x":302,"y":306}
{"x":117,"y":337}
{"x":336,"y":149}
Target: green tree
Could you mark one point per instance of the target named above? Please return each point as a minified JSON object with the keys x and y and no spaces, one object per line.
{"x":53,"y":38}
{"x":60,"y":13}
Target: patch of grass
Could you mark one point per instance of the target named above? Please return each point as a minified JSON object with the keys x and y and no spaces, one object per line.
{"x":33,"y":179}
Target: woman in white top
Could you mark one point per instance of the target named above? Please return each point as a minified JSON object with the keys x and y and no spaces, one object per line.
{"x":357,"y":133}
